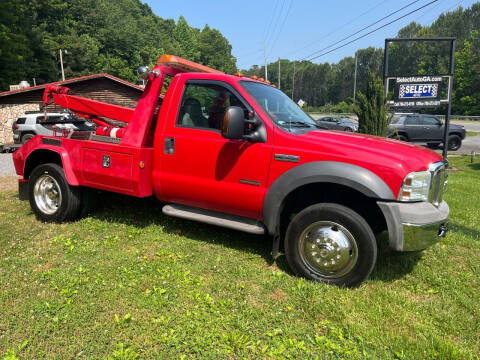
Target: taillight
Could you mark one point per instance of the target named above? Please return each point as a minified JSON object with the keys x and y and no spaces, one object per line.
{"x":15,"y":127}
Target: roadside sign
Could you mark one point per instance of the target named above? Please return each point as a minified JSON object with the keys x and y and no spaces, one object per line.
{"x":417,"y":92}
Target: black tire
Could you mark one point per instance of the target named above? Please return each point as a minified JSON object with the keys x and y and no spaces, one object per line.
{"x":348,"y":129}
{"x":27,"y":137}
{"x":454,"y":142}
{"x":68,"y":198}
{"x":358,"y":259}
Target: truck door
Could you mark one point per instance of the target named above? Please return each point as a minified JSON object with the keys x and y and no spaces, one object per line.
{"x":201,"y":168}
{"x":432,"y":127}
{"x":414,"y":128}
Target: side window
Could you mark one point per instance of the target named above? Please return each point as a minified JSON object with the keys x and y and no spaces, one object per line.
{"x":50,"y":119}
{"x":412,"y":120}
{"x":430,"y":120}
{"x":21,"y":121}
{"x":203,"y":105}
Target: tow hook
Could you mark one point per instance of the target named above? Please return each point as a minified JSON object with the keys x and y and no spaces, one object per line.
{"x":443,"y":230}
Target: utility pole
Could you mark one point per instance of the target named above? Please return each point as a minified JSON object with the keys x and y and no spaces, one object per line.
{"x":61,"y":64}
{"x":293,"y":80}
{"x":355,"y":79}
{"x":265,"y":59}
{"x":278,"y":73}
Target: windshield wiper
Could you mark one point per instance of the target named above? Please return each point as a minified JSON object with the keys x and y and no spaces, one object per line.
{"x":296,"y":124}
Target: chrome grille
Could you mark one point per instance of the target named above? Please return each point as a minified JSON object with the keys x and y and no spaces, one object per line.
{"x":437,"y":185}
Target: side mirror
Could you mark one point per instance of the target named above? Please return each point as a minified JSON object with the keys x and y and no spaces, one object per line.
{"x":233,"y":123}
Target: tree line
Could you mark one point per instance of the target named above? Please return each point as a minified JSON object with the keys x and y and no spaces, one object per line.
{"x":113,"y":36}
{"x":331,"y":86}
{"x":118,"y":36}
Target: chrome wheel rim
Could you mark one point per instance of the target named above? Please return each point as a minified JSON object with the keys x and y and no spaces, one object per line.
{"x":328,"y":249}
{"x":47,"y":194}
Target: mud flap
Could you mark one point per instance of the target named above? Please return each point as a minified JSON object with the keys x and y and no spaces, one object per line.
{"x":22,"y":189}
{"x":276,"y":244}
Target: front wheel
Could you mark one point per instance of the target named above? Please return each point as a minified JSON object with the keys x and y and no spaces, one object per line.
{"x":52,"y":199}
{"x":331,"y":243}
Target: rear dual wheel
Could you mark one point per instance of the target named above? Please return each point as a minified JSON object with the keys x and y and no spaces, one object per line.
{"x":331,"y":243}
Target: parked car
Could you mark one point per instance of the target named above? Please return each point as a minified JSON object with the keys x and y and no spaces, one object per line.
{"x":425,"y":129}
{"x":337,"y":123}
{"x":31,"y":124}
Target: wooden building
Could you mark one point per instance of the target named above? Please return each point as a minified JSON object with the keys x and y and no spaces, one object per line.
{"x":101,"y":87}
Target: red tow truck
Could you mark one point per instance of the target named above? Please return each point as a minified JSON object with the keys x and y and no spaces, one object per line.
{"x":237,"y":152}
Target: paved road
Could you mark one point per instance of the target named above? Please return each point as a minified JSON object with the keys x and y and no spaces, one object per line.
{"x":471,"y":143}
{"x":6,"y":165}
{"x":469,"y":125}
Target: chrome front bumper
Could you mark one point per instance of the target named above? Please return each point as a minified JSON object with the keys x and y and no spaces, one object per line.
{"x":414,"y":226}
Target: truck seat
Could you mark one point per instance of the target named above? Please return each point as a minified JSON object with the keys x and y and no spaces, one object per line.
{"x":192,"y":114}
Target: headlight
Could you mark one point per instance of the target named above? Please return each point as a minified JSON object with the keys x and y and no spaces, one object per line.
{"x":415,"y":187}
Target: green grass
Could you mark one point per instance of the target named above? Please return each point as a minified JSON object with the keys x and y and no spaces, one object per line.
{"x":130,"y":282}
{"x":472,"y":133}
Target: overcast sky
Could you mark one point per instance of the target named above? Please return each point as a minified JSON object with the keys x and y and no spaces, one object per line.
{"x":295,"y":29}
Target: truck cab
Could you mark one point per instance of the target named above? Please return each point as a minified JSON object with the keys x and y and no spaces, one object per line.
{"x":237,"y":152}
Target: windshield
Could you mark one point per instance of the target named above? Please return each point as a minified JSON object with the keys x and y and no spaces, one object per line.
{"x":279,"y":107}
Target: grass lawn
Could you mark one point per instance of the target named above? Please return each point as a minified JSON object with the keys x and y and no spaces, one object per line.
{"x":472,"y":133}
{"x":129,"y":282}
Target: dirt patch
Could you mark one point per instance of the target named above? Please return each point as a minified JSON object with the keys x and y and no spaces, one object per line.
{"x":9,"y":182}
{"x":279,"y":295}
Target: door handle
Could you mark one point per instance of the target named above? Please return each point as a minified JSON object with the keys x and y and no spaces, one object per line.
{"x":169,"y":146}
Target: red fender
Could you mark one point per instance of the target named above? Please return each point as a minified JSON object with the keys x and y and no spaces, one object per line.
{"x":22,"y":156}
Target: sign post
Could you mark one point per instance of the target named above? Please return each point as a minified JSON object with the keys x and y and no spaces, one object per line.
{"x":420,"y":91}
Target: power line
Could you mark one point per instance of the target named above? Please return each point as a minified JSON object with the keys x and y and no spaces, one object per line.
{"x":281,"y":27}
{"x":371,"y":32}
{"x":276,"y":19}
{"x":420,"y":16}
{"x":362,"y":29}
{"x":340,"y":27}
{"x":455,"y":6}
{"x":435,"y":17}
{"x":267,"y":29}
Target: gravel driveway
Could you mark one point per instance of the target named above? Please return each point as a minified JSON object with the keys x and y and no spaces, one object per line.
{"x":6,"y":165}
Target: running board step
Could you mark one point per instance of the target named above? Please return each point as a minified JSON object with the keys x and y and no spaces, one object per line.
{"x":214,"y":218}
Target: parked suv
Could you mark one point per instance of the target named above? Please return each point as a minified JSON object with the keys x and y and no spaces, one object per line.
{"x":336,"y":123}
{"x":426,"y":129}
{"x":31,"y":124}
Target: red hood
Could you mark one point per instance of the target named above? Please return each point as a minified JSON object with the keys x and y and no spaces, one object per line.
{"x":412,"y":157}
{"x":389,"y":159}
